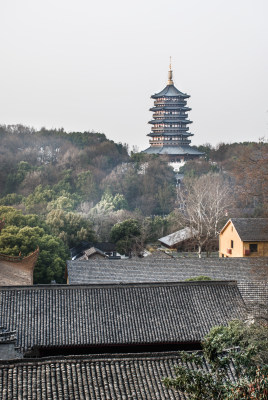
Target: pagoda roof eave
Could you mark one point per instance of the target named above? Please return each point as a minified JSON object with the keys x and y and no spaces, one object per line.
{"x":165,"y":121}
{"x":173,"y":150}
{"x":170,"y":91}
{"x":185,"y":134}
{"x":161,"y":108}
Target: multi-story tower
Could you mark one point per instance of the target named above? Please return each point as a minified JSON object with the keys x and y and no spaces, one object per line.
{"x":170,"y":132}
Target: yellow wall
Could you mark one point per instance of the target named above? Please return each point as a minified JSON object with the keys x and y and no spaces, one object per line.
{"x":262,"y":249}
{"x":225,"y":238}
{"x":229,"y":234}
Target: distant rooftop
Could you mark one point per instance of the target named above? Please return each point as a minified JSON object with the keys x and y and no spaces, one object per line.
{"x":177,"y":237}
{"x":170,"y":91}
{"x":250,"y":273}
{"x":251,"y":229}
{"x":173,"y":150}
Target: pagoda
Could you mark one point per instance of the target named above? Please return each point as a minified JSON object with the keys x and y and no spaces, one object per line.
{"x":170,"y":132}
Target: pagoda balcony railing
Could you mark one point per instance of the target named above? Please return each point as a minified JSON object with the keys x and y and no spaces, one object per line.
{"x":170,"y":116}
{"x":170,"y":102}
{"x":169,"y":143}
{"x":169,"y":130}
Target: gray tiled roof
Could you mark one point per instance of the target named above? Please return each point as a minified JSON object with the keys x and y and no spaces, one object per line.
{"x":141,"y":270}
{"x":91,"y":252}
{"x":98,"y":377}
{"x":250,"y":273}
{"x":170,"y":90}
{"x":251,"y":229}
{"x":177,"y":237}
{"x":118,"y":314}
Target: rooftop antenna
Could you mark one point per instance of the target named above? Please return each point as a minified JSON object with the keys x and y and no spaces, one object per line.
{"x":170,"y":80}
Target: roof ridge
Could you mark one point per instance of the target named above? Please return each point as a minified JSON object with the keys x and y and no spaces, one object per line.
{"x":92,"y":357}
{"x":121,"y":285}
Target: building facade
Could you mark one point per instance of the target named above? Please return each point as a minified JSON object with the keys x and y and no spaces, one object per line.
{"x":170,"y":125}
{"x":244,"y":237}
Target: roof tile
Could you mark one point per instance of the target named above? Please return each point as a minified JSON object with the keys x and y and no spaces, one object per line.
{"x":101,"y":315}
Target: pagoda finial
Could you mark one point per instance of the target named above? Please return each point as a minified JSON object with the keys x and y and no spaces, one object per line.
{"x":170,"y":81}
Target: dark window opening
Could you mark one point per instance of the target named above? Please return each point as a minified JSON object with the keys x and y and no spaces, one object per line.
{"x":253,"y":247}
{"x":232,"y":244}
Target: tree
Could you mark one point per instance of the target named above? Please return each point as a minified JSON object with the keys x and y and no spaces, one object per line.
{"x":250,"y":171}
{"x":126,"y":236}
{"x":61,"y":203}
{"x":206,"y":200}
{"x":86,"y":185}
{"x":23,"y":234}
{"x":238,"y":349}
{"x":16,"y":218}
{"x":70,"y":227}
{"x":52,"y":251}
{"x":195,"y":168}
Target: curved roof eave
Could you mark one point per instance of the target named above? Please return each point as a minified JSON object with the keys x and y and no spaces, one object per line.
{"x":166,"y":121}
{"x":170,"y":91}
{"x":170,"y":107}
{"x":173,"y":150}
{"x":186,"y":134}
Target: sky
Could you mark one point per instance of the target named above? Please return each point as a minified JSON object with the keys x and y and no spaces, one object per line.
{"x":93,"y":65}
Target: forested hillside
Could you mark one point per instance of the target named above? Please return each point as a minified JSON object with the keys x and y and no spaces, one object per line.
{"x":59,"y":188}
{"x":50,"y":169}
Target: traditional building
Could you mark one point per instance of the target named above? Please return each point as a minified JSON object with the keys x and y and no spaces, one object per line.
{"x":251,"y":274}
{"x":170,"y":132}
{"x":17,"y":270}
{"x":184,"y":240}
{"x":141,"y":317}
{"x":98,"y":376}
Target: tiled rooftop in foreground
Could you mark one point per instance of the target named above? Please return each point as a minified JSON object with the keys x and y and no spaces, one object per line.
{"x":109,"y":315}
{"x":103,"y":377}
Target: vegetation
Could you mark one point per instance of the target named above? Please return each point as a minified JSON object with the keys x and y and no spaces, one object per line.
{"x":52,"y":169}
{"x":238,"y":359}
{"x":126,"y":236}
{"x":199,"y":278}
{"x":78,"y":185}
{"x":70,"y":227}
{"x":23,"y":234}
{"x":205,"y":201}
{"x":247,"y":166}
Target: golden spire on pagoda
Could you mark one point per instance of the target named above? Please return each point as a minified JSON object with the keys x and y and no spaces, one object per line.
{"x":170,"y":81}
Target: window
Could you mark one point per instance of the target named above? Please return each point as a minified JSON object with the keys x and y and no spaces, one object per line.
{"x":232,"y":244}
{"x":253,"y":247}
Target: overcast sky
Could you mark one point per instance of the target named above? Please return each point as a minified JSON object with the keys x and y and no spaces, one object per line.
{"x":93,"y":65}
